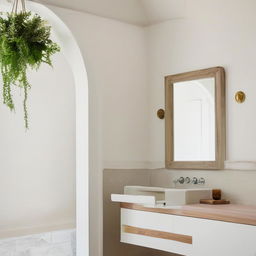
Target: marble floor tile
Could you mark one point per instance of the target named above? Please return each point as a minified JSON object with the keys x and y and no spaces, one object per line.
{"x":57,"y":243}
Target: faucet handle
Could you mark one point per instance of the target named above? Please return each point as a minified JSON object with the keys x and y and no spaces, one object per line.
{"x":201,"y":181}
{"x":181,"y":180}
{"x":187,"y":180}
{"x":194,"y":181}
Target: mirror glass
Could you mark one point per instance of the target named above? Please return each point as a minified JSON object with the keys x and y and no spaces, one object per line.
{"x":194,"y":120}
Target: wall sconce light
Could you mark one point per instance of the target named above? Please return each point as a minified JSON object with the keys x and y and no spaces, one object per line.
{"x":160,"y":113}
{"x":240,"y":97}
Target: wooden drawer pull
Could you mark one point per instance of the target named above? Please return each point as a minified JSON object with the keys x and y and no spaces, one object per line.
{"x":158,"y":234}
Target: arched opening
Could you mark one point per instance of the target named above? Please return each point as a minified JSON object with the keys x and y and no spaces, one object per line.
{"x":71,"y":51}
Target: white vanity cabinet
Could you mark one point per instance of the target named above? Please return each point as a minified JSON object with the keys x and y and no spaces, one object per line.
{"x":188,"y":235}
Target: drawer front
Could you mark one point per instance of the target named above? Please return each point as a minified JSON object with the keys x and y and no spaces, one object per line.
{"x":154,"y":230}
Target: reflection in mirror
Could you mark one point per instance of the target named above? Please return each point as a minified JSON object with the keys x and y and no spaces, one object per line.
{"x":194,"y":120}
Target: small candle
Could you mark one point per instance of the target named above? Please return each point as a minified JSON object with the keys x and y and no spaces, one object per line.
{"x":216,"y":194}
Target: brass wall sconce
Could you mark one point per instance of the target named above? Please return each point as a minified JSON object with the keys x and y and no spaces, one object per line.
{"x":240,"y":97}
{"x":160,"y":113}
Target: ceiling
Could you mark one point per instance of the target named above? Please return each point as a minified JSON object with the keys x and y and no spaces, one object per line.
{"x":138,"y":12}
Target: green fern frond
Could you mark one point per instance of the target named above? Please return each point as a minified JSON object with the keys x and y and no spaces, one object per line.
{"x":24,"y":43}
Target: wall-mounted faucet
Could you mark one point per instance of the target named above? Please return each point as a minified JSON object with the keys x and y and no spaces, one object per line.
{"x":188,"y":180}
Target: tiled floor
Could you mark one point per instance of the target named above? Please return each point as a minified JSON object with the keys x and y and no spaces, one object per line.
{"x":58,"y":243}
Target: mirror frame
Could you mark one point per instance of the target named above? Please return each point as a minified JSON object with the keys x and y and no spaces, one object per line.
{"x":220,"y":119}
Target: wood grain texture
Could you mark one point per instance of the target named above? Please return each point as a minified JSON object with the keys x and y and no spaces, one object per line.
{"x":220,"y":119}
{"x":158,"y":234}
{"x":240,"y":214}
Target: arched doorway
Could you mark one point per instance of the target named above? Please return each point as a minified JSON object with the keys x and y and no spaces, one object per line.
{"x":71,"y":51}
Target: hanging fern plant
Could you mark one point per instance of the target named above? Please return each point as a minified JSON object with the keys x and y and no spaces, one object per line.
{"x":24,"y":43}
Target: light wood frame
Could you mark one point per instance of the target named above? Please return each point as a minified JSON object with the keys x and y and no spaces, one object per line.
{"x":220,"y":119}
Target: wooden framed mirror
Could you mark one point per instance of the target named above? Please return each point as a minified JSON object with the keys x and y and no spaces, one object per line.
{"x":195,"y":134}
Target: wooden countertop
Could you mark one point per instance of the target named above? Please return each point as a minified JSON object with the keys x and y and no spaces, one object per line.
{"x":240,"y":214}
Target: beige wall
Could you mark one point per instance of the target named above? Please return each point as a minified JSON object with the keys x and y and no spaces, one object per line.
{"x":237,"y":186}
{"x":114,"y":182}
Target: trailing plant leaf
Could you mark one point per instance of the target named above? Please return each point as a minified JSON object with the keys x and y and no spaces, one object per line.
{"x":24,"y":43}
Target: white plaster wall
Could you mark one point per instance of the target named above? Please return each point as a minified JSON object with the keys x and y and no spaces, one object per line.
{"x":115,"y":58}
{"x":126,"y":66}
{"x":211,"y":33}
{"x":219,"y":33}
{"x":37,"y":167}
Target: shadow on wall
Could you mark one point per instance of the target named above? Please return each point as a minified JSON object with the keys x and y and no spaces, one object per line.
{"x":113,"y":182}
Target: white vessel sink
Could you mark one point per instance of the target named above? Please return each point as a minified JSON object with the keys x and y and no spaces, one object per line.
{"x":162,"y":196}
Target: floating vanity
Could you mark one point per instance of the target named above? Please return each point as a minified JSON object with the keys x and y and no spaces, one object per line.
{"x":191,"y":229}
{"x":171,"y":219}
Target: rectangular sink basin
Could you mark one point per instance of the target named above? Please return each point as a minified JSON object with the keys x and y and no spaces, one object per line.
{"x":165,"y":196}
